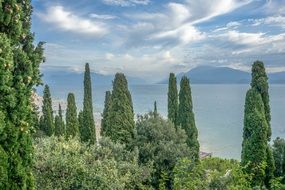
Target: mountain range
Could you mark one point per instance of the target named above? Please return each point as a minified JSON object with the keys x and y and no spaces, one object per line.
{"x":198,"y":75}
{"x":224,"y":75}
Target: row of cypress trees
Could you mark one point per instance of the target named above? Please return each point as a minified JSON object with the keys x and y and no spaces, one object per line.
{"x":180,"y":111}
{"x":81,"y":124}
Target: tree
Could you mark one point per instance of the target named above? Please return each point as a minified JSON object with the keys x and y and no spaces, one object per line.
{"x":104,"y":123}
{"x":121,"y":124}
{"x":172,"y":99}
{"x":254,"y":145}
{"x":160,"y":144}
{"x":59,"y":124}
{"x":155,"y":109}
{"x":47,"y":125}
{"x":87,"y":132}
{"x":186,"y":118}
{"x":19,"y":72}
{"x":279,"y":156}
{"x":260,"y":83}
{"x":72,"y":124}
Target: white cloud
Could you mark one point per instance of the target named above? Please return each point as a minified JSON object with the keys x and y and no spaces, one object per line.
{"x":203,"y":10}
{"x":185,"y":34}
{"x":68,"y":21}
{"x":126,"y":3}
{"x":104,"y":17}
{"x":271,"y":20}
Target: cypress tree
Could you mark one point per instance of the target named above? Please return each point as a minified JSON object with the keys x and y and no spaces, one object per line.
{"x":172,"y":99}
{"x":88,"y":126}
{"x":19,"y":72}
{"x":120,"y":119}
{"x":186,"y":117}
{"x":254,"y":145}
{"x":47,"y":126}
{"x":72,"y":124}
{"x":259,"y":82}
{"x":104,"y":126}
{"x":59,"y":124}
{"x":155,"y":113}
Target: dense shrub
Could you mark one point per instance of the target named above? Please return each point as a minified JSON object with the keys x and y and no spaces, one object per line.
{"x":210,"y":173}
{"x":162,"y":145}
{"x":62,"y":164}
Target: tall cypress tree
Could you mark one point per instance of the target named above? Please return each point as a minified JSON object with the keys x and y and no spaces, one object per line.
{"x":59,"y":124}
{"x":172,"y":99}
{"x":259,"y":82}
{"x":155,"y":109}
{"x":72,"y":124}
{"x":47,"y":125}
{"x":121,"y":123}
{"x":87,"y":132}
{"x":254,"y":145}
{"x":186,"y":117}
{"x":19,"y":72}
{"x":104,"y":126}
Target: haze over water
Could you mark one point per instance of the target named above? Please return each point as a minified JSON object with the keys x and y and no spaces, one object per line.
{"x":218,"y":111}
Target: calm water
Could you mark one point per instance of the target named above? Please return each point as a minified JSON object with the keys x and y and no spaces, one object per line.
{"x":218,"y":111}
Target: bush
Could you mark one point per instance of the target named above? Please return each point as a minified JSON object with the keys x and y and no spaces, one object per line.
{"x":210,"y":173}
{"x":62,"y":164}
{"x":162,"y":145}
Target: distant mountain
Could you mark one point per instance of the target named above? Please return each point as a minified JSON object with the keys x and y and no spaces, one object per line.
{"x":224,"y":75}
{"x":76,"y":79}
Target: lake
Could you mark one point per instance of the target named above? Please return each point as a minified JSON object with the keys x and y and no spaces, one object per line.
{"x":218,"y":111}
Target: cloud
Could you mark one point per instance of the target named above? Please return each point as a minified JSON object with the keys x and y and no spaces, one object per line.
{"x":185,"y":34}
{"x":251,"y":39}
{"x":68,"y":21}
{"x":271,"y":20}
{"x":204,"y":10}
{"x":175,"y":25}
{"x":126,"y":3}
{"x":104,"y":17}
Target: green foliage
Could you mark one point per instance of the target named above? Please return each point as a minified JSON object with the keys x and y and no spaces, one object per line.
{"x":19,"y":72}
{"x":210,"y":173}
{"x":120,"y":120}
{"x":260,"y":83}
{"x":62,"y":164}
{"x":104,"y":126}
{"x":279,"y":156}
{"x":87,"y":130}
{"x":72,"y":124}
{"x":186,"y":118}
{"x":59,"y":123}
{"x":161,"y":144}
{"x":47,"y":123}
{"x":270,"y":166}
{"x":172,"y":99}
{"x":254,"y":145}
{"x":3,"y":157}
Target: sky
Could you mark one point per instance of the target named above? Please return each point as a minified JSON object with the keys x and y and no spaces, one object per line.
{"x":151,"y":38}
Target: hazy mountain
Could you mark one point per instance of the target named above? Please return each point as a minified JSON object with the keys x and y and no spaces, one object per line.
{"x":76,"y":79}
{"x":224,"y":75}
